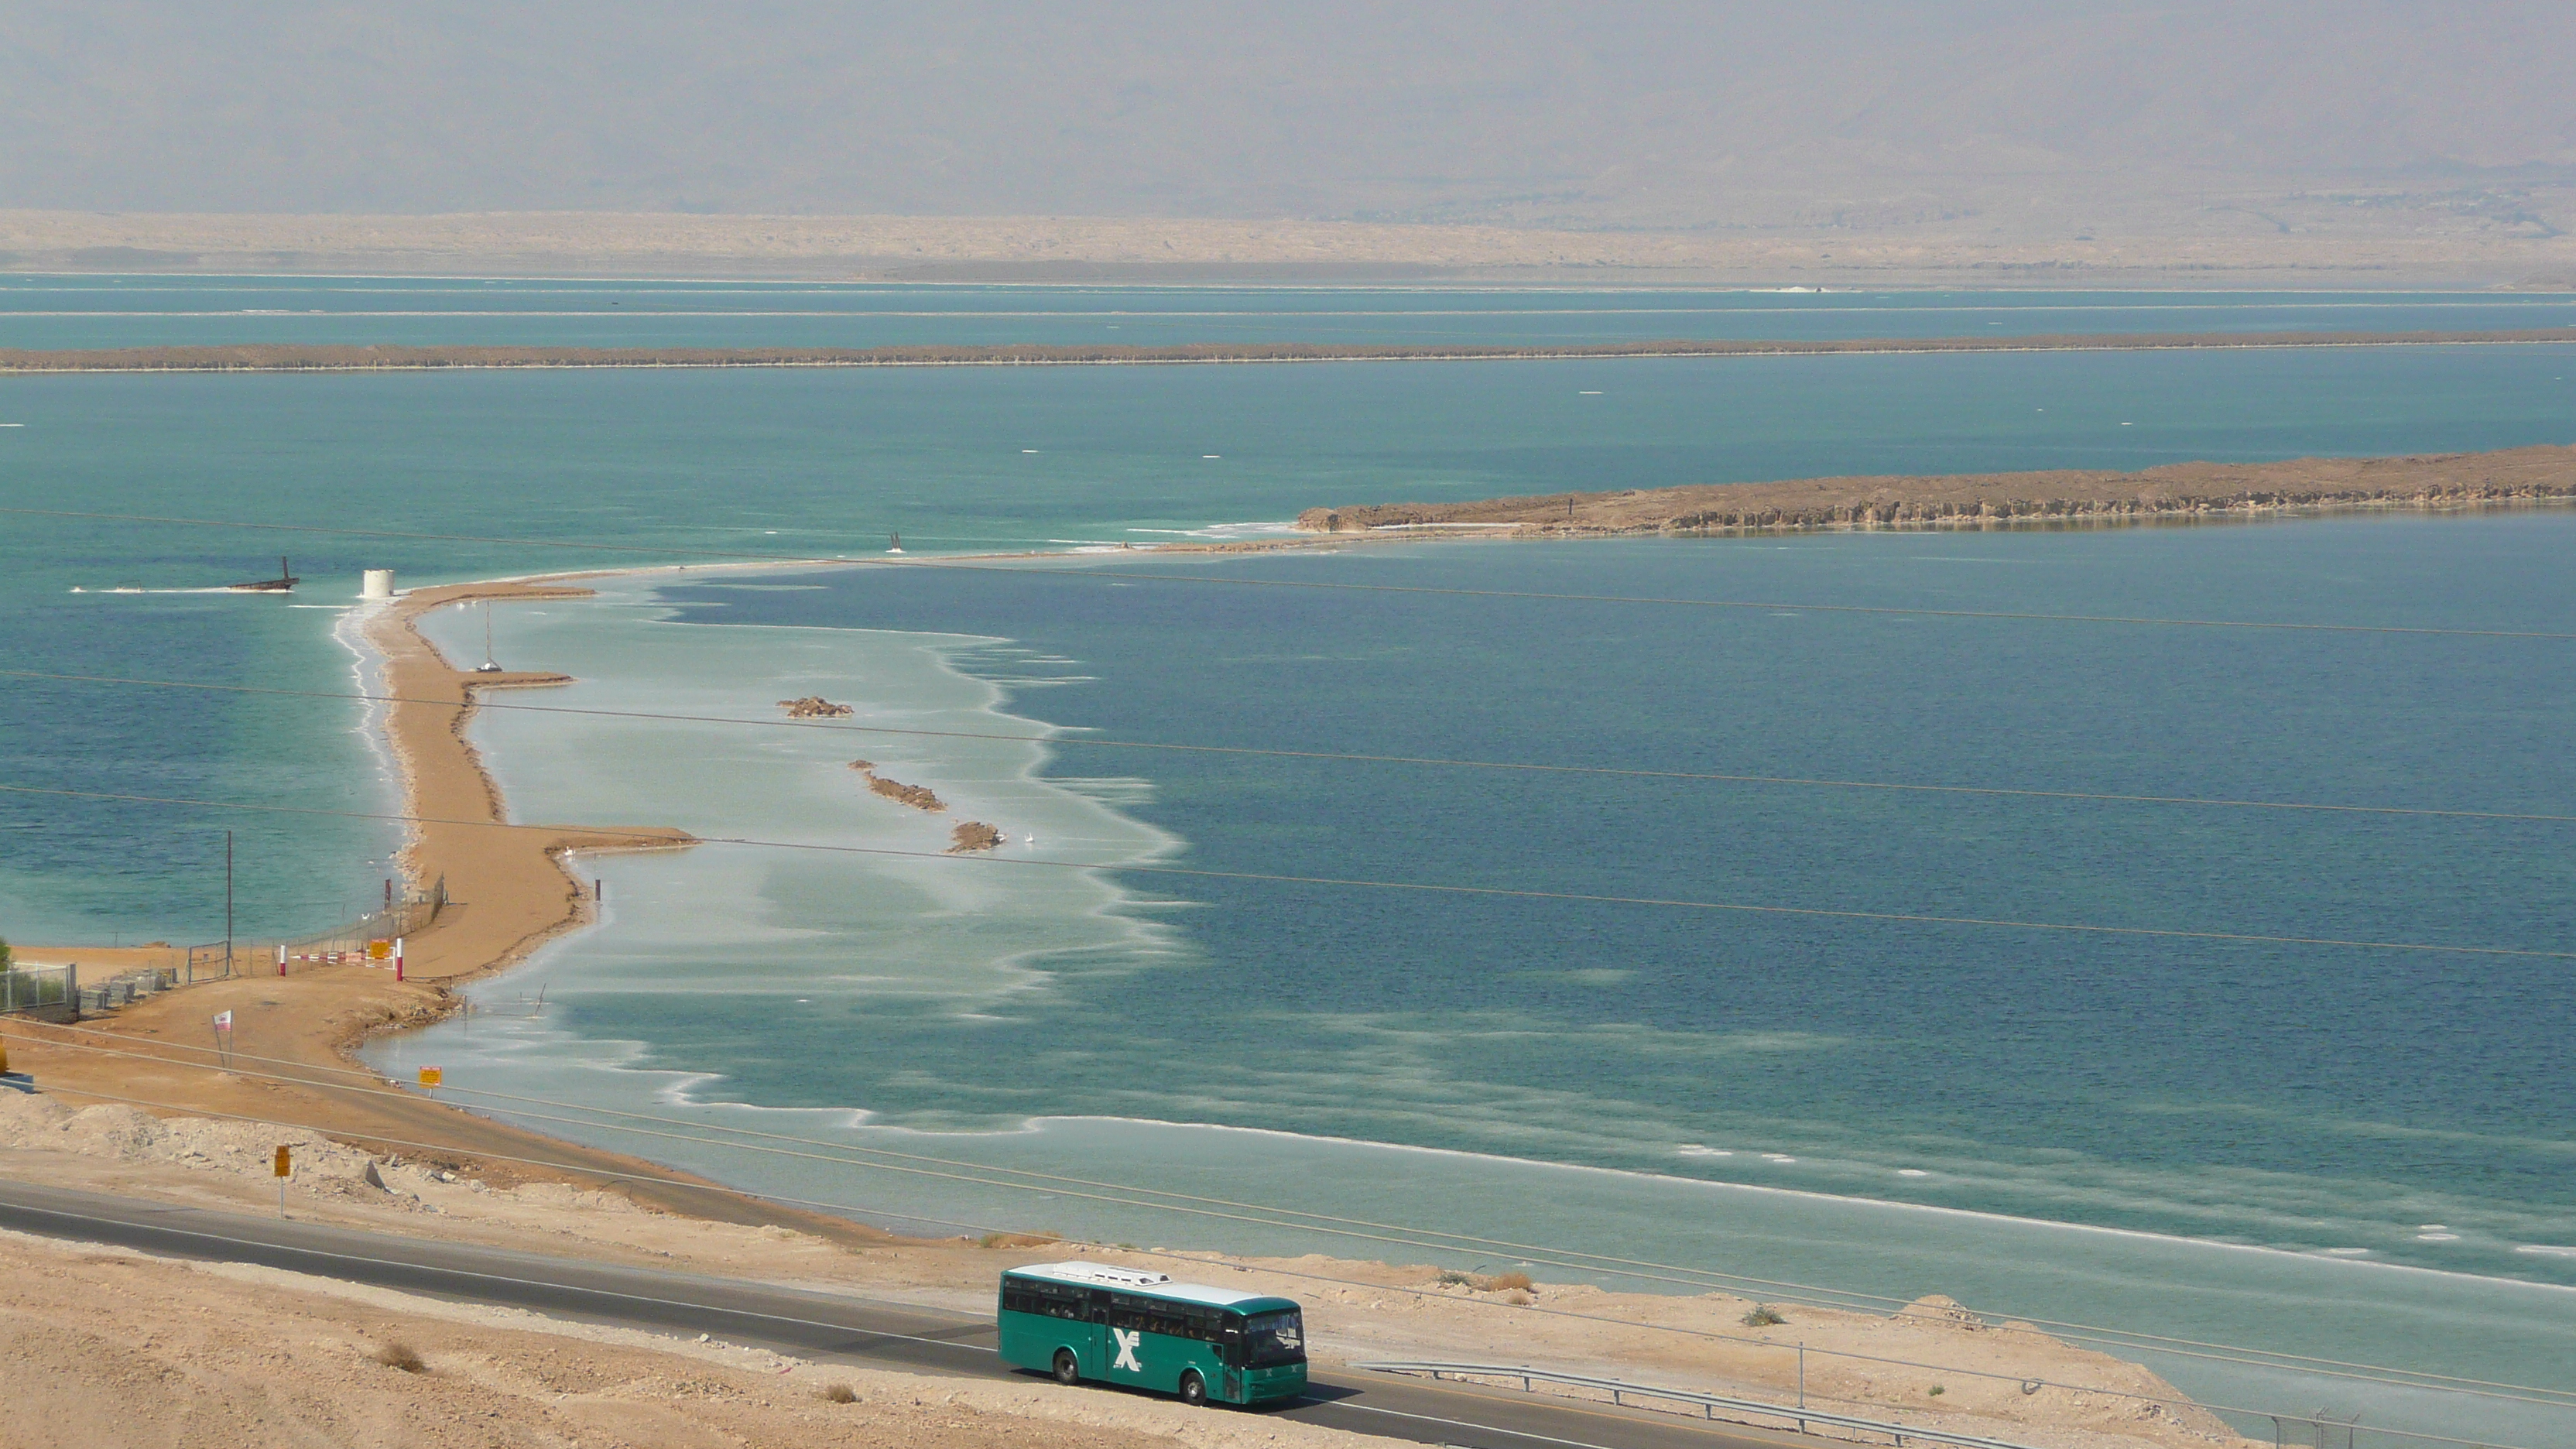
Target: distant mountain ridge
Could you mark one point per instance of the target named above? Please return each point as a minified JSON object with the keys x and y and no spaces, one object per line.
{"x":1983,"y":117}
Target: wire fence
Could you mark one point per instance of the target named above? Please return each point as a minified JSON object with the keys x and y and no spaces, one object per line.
{"x":36,"y":988}
{"x":356,"y":941}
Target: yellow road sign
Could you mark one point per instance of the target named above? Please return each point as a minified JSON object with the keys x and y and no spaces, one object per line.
{"x":429,"y":1076}
{"x":285,"y":1161}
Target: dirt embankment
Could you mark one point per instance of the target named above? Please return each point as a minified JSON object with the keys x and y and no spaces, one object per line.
{"x":512,"y":888}
{"x":316,"y":357}
{"x":2545,"y":474}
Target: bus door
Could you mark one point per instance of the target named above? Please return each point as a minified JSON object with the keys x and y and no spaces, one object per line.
{"x":1095,"y":1349}
{"x":1230,"y":1349}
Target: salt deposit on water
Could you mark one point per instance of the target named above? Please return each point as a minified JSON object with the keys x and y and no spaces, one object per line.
{"x":1001,"y":966}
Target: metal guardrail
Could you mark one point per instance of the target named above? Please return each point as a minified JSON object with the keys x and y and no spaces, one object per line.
{"x":1620,"y":1391}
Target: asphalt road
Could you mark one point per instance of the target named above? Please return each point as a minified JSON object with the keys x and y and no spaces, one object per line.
{"x":818,"y":1326}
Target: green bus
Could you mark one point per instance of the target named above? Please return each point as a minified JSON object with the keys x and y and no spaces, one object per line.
{"x":1119,"y":1325}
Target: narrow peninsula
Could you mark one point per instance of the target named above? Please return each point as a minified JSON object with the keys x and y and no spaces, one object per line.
{"x":2173,"y":492}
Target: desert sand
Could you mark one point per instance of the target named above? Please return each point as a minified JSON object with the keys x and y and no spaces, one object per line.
{"x":2337,"y":246}
{"x":113,"y":1348}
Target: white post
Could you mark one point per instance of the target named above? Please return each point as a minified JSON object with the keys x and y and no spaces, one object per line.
{"x":398,"y":955}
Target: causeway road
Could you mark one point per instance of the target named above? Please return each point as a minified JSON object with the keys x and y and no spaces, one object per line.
{"x":822,"y":1327}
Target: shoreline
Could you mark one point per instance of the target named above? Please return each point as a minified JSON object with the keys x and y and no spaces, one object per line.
{"x":425,"y":735}
{"x":329,"y":357}
{"x":511,"y":892}
{"x":553,"y":586}
{"x":456,"y":802}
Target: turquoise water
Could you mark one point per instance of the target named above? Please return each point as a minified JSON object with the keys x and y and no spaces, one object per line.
{"x":1613,"y":1034}
{"x":2234,"y":1112}
{"x":74,"y":311}
{"x":2278,"y":1133}
{"x":819,"y":464}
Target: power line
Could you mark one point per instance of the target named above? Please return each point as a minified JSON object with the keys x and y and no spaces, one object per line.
{"x":1092,"y":742}
{"x":1088,"y":575}
{"x":2260,"y":1358}
{"x":1420,"y":887}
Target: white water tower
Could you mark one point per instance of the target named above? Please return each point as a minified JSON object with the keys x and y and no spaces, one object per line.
{"x":376,"y":584}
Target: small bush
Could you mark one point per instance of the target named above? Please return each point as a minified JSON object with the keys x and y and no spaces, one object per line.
{"x":841,"y":1394}
{"x":1507,"y":1282}
{"x":1451,"y":1278}
{"x":397,"y":1354}
{"x":1018,"y":1240}
{"x":1936,"y":1391}
{"x":1763,"y":1316}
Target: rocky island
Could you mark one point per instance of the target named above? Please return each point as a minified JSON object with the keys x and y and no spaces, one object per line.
{"x":919,"y":797}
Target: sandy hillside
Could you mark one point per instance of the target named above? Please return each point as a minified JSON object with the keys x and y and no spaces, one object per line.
{"x":109,"y":1348}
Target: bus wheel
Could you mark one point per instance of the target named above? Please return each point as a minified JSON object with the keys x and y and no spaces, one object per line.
{"x":1067,"y":1369}
{"x":1193,"y":1389}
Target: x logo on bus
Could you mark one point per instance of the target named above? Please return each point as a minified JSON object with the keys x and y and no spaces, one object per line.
{"x":1129,"y":1340}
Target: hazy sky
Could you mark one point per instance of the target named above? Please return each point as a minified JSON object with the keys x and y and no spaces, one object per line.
{"x":1603,"y":111}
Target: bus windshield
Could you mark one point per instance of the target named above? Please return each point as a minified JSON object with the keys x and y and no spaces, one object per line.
{"x":1274,"y":1338}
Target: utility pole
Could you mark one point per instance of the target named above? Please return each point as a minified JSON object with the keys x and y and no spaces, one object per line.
{"x":228,"y":904}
